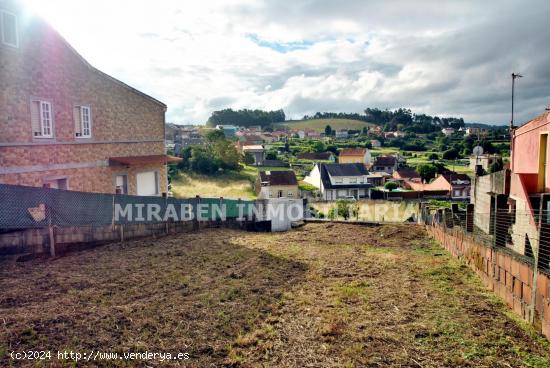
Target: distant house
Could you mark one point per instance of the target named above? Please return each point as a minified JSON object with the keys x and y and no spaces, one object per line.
{"x":406,"y":174}
{"x":448,"y":131}
{"x":317,"y":156}
{"x":354,"y":155}
{"x":257,"y":151}
{"x":375,"y":143}
{"x":394,"y":134}
{"x":341,"y":134}
{"x":228,"y":130}
{"x":457,"y":185}
{"x":386,"y":164}
{"x":276,"y":184}
{"x":340,"y":180}
{"x":312,"y":134}
{"x":477,"y":132}
{"x":279,"y":135}
{"x":301,"y":134}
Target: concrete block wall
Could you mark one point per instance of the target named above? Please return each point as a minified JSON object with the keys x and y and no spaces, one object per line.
{"x":36,"y":241}
{"x":509,"y":277}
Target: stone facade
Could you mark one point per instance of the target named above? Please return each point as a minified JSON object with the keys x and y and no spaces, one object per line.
{"x":124,"y":121}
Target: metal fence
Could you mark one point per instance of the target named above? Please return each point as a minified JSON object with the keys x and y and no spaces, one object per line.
{"x":24,"y":207}
{"x":524,"y":234}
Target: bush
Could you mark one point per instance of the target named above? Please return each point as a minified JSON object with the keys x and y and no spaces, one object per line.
{"x":390,"y":185}
{"x":451,"y":154}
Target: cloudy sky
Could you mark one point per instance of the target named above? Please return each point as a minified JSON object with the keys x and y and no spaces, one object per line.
{"x":446,"y":58}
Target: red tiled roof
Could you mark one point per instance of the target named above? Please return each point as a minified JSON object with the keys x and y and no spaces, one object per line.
{"x":353,"y":152}
{"x":406,"y":174}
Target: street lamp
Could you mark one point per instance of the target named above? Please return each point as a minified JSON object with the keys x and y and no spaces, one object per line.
{"x":514,"y":76}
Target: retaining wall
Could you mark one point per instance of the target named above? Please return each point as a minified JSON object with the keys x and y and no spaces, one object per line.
{"x":509,"y":276}
{"x":36,"y":241}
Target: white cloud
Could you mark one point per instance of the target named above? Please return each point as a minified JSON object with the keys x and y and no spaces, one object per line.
{"x":444,"y":58}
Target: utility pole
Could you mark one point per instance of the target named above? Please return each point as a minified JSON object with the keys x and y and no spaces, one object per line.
{"x":514,"y":76}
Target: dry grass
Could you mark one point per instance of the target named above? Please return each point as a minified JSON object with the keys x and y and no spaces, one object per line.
{"x":227,"y":186}
{"x":325,"y":295}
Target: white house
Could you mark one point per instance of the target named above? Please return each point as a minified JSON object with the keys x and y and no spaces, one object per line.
{"x":448,"y":131}
{"x":340,"y":180}
{"x":341,"y":134}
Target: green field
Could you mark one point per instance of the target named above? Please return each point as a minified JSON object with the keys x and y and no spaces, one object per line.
{"x":234,"y":184}
{"x":320,"y":124}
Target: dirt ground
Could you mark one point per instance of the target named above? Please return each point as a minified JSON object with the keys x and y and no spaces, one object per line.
{"x":324,"y":295}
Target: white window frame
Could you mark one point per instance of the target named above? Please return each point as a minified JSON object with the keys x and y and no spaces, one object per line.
{"x":43,"y":128}
{"x":83,"y":129}
{"x":4,"y":42}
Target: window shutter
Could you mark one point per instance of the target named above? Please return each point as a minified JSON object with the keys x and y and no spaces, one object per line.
{"x":77,"y":122}
{"x":35,"y":119}
{"x":9,"y":29}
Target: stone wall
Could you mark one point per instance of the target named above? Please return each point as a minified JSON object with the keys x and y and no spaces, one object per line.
{"x":124,"y":121}
{"x":37,"y":241}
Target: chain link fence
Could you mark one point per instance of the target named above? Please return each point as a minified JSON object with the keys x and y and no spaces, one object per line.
{"x":24,"y":207}
{"x":525,"y":235}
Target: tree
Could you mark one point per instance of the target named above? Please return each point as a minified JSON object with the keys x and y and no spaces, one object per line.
{"x":497,"y":165}
{"x":214,"y":135}
{"x":451,"y":154}
{"x":328,"y":130}
{"x":343,"y":208}
{"x":270,"y":155}
{"x":246,"y":117}
{"x":390,"y":185}
{"x":248,"y":159}
{"x":433,"y":156}
{"x":426,"y":172}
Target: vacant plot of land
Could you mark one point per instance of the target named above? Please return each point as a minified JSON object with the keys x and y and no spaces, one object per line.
{"x":325,"y":295}
{"x":234,"y":185}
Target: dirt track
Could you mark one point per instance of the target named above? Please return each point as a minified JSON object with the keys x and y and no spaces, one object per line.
{"x":320,"y":296}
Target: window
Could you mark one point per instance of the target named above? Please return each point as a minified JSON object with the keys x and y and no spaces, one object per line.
{"x":82,"y":121}
{"x":121,"y":184}
{"x":290,"y":194}
{"x":41,"y":119}
{"x":147,"y":183}
{"x":8,"y":23}
{"x":55,"y":183}
{"x":353,"y":180}
{"x":279,"y":194}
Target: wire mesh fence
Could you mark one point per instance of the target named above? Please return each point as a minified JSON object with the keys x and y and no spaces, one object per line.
{"x":524,"y":234}
{"x":24,"y":207}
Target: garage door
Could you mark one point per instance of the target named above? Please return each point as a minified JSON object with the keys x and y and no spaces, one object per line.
{"x":147,"y":183}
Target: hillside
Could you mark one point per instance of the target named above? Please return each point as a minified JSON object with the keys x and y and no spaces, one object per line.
{"x":320,"y":124}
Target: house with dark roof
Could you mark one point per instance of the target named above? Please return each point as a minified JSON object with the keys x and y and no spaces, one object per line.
{"x":276,"y":184}
{"x":386,"y":164}
{"x":316,"y":156}
{"x":354,"y":155}
{"x":340,"y":180}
